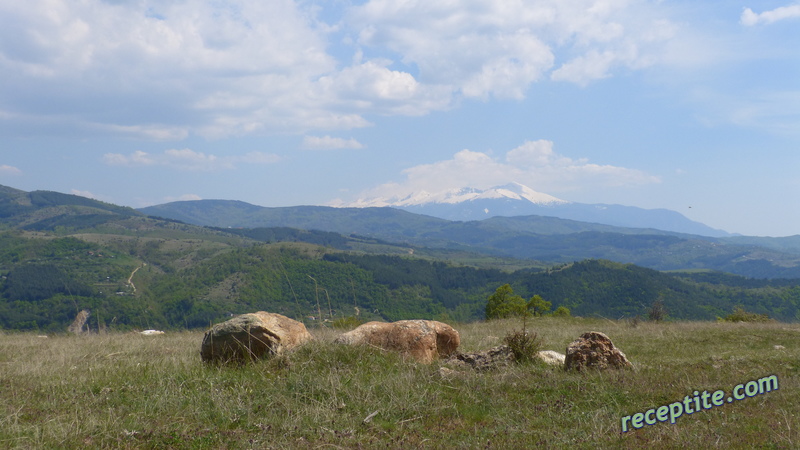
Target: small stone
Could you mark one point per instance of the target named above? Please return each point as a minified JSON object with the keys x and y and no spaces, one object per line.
{"x":551,"y":357}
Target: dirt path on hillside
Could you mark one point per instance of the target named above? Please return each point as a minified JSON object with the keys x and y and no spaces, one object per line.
{"x":130,"y":278}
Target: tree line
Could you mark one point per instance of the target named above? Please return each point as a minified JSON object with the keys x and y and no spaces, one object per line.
{"x":44,"y":283}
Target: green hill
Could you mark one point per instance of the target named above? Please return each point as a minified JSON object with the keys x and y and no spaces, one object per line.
{"x":60,"y":254}
{"x":530,"y":237}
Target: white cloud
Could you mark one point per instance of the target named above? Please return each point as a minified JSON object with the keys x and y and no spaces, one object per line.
{"x":534,"y":164}
{"x":151,"y":132}
{"x":170,"y":70}
{"x":137,"y":158}
{"x":329,"y":143}
{"x":538,"y":154}
{"x":372,"y":86}
{"x":9,"y":170}
{"x":165,"y":69}
{"x":581,"y":70}
{"x":498,"y":49}
{"x":479,"y":48}
{"x":750,"y":18}
{"x":187,"y":159}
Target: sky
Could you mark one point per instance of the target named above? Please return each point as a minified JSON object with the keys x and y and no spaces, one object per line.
{"x":688,"y":105}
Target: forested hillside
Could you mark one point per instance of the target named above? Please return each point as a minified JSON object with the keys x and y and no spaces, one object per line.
{"x":62,"y":254}
{"x":527,"y":237}
{"x":182,"y":283}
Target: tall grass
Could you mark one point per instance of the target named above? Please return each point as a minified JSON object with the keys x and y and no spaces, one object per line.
{"x":132,"y":391}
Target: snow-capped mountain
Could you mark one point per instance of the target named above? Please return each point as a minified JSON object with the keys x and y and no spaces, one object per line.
{"x":512,"y":191}
{"x":515,"y":199}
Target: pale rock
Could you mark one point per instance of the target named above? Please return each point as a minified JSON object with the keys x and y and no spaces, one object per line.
{"x":151,"y":332}
{"x":252,"y":336}
{"x":422,"y":340}
{"x":551,"y":357}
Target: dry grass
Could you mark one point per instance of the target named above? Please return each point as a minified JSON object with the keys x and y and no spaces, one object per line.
{"x":132,"y":391}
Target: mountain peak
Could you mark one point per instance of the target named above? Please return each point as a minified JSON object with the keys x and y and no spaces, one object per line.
{"x":511,"y":191}
{"x":517,"y":191}
{"x":515,"y":199}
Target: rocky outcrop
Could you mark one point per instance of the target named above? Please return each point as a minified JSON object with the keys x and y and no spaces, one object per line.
{"x":494,"y":358}
{"x":252,"y":336}
{"x":594,"y":350}
{"x":422,"y":340}
{"x":497,"y":357}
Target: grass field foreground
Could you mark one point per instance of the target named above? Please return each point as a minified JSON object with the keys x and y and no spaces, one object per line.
{"x":133,"y":391}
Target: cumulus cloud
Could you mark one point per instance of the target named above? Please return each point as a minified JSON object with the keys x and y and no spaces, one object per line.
{"x":187,"y":159}
{"x":497,"y":49}
{"x":585,"y":68}
{"x":373,"y":86}
{"x":750,"y":18}
{"x":169,"y":70}
{"x":534,"y":163}
{"x":329,"y":143}
{"x":478,"y":48}
{"x":165,"y":69}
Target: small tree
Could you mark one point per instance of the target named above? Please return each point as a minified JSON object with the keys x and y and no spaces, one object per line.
{"x":503,"y":303}
{"x":562,"y":311}
{"x":657,"y":311}
{"x":538,"y":306}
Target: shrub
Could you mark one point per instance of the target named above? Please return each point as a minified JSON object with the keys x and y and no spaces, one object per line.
{"x":347,"y":323}
{"x":740,"y":315}
{"x":524,"y":345}
{"x":634,"y":321}
{"x":562,"y":311}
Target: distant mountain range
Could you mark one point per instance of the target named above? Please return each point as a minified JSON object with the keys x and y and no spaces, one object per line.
{"x":539,"y":238}
{"x":542,"y":240}
{"x":61,"y":254}
{"x":515,"y":199}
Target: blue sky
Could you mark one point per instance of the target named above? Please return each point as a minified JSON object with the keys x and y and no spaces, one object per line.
{"x":687,"y":105}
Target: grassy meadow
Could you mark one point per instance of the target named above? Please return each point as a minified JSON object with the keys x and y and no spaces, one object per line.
{"x":132,"y":391}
